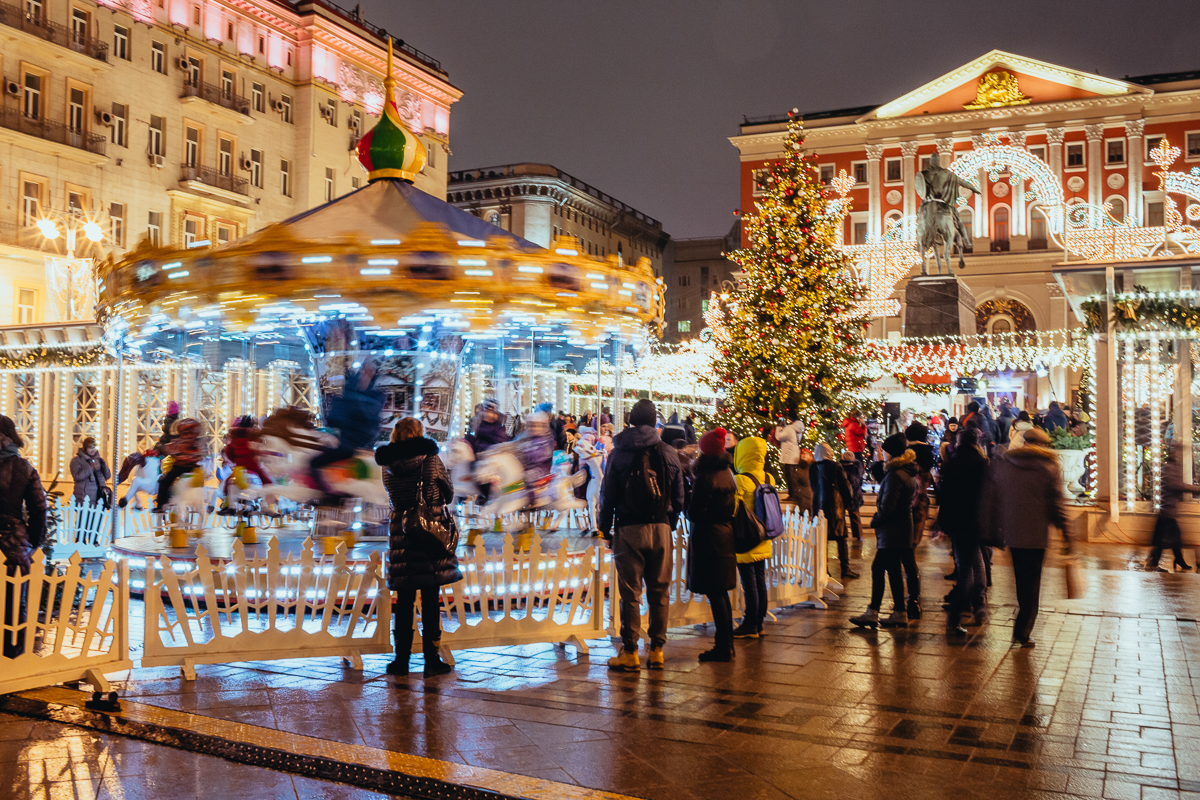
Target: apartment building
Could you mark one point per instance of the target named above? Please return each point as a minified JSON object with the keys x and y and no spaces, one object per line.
{"x":186,"y":121}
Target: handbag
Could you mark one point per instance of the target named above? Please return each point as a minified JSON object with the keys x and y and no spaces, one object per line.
{"x":419,"y":522}
{"x":748,"y":532}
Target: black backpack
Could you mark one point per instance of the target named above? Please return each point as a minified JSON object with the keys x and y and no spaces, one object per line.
{"x":646,"y":484}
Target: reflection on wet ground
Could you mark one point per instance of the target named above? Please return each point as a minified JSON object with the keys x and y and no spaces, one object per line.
{"x":1104,"y":706}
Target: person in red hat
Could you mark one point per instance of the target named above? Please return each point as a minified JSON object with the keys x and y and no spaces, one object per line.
{"x":712,"y":561}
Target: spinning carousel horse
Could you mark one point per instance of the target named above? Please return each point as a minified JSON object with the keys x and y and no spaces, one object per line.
{"x":461,"y":460}
{"x":288,"y":444}
{"x":593,"y":459}
{"x":145,"y":471}
{"x":501,"y":470}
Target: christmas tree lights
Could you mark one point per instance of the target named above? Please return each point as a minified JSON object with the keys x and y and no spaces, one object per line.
{"x":789,"y":339}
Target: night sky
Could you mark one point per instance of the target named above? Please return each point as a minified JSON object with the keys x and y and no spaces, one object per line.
{"x":639,"y":97}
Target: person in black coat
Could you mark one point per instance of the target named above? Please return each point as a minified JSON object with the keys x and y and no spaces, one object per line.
{"x":960,"y":500}
{"x":421,"y":562}
{"x":918,"y":441}
{"x":831,"y":495}
{"x":22,"y":528}
{"x":712,"y":562}
{"x":854,"y":476}
{"x":893,"y":524}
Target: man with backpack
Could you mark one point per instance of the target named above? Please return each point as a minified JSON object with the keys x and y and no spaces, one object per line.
{"x":640,"y":503}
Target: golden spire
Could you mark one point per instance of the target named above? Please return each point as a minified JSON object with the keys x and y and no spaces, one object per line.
{"x":389,"y":83}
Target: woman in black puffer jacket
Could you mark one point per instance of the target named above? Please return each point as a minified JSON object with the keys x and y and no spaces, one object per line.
{"x":416,"y":563}
{"x":712,"y":562}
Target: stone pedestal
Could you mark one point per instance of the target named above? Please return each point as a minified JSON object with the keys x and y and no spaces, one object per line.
{"x":938,"y":305}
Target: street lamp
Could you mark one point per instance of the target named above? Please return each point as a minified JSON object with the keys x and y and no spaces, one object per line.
{"x":72,"y":280}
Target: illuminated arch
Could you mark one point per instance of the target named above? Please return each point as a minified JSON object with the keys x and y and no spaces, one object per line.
{"x":1045,"y":190}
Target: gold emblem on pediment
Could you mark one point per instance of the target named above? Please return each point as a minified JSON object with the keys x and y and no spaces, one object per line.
{"x":996,"y":90}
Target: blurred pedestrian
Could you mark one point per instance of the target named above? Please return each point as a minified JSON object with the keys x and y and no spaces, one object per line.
{"x":1024,"y":500}
{"x":22,"y":527}
{"x":960,"y":500}
{"x":831,"y":496}
{"x":854,"y":476}
{"x":1167,"y":535}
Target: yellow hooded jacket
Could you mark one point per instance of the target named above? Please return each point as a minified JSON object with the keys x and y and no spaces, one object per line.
{"x":750,"y":458}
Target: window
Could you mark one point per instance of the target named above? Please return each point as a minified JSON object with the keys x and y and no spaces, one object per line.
{"x":116,"y":224}
{"x":256,"y":97}
{"x":331,"y":112}
{"x":26,"y":311}
{"x":432,"y":151}
{"x":860,"y":233}
{"x":76,"y":201}
{"x":703,"y":306}
{"x":225,"y":233}
{"x":289,"y":57}
{"x":1117,"y":210}
{"x":262,"y":45}
{"x":1114,"y":151}
{"x":191,"y":147}
{"x":226,"y":84}
{"x":76,"y":102}
{"x":285,"y":107}
{"x":31,"y":203}
{"x":681,"y":302}
{"x":225,"y":155}
{"x":195,"y":15}
{"x":1154,"y":215}
{"x":355,"y":183}
{"x":33,"y":10}
{"x":1152,"y":145}
{"x":860,"y":172}
{"x":229,"y":30}
{"x":827,"y":173}
{"x":685,"y":281}
{"x":356,"y":125}
{"x":195,"y":70}
{"x":33,"y":95}
{"x":1000,"y":228}
{"x":157,"y":126}
{"x":704,"y":276}
{"x":1193,"y":145}
{"x":1038,"y":151}
{"x":193,"y":230}
{"x":256,"y":168}
{"x":120,"y":42}
{"x":684,"y":326}
{"x":1037,"y":232}
{"x":158,"y":57}
{"x":285,"y":177}
{"x":1074,"y":154}
{"x":154,"y":228}
{"x":894,"y":175}
{"x":120,"y":115}
{"x":328,"y":184}
{"x":925,"y":162}
{"x":79,"y":25}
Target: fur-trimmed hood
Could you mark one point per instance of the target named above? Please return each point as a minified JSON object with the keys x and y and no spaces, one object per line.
{"x":902,"y":460}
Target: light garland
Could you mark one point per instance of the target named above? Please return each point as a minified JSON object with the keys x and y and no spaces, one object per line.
{"x":1128,"y":387}
{"x":1155,"y":433}
{"x":967,"y":355}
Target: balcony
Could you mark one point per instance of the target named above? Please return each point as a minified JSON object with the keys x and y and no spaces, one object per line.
{"x":213,"y":94}
{"x":50,"y":131}
{"x":215,"y":179}
{"x":16,"y":17}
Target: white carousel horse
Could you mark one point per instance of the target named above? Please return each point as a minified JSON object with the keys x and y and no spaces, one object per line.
{"x":461,"y":460}
{"x":501,"y":470}
{"x":286,"y":446}
{"x":189,"y":500}
{"x":144,"y":480}
{"x":594,"y":459}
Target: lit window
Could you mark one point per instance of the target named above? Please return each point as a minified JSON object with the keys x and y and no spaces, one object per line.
{"x":684,"y":326}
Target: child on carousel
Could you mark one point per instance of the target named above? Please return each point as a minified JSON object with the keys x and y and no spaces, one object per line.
{"x":186,"y":453}
{"x":241,"y":451}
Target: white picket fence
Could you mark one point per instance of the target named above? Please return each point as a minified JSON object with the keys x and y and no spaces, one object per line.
{"x":306,"y":606}
{"x":73,"y":624}
{"x":264,"y":609}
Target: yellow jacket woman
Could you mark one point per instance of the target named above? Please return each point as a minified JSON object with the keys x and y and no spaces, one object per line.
{"x":749,"y":459}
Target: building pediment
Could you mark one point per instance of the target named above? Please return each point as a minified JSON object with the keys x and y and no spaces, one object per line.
{"x":998,"y":79}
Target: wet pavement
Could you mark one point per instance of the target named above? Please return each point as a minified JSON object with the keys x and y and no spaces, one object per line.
{"x":1104,"y":707}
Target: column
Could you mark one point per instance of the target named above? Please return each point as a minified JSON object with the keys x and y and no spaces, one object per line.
{"x":1135,"y":153}
{"x":1183,"y":383}
{"x":1054,"y":141}
{"x":1018,"y":221}
{"x":875,"y":181}
{"x":909,"y":171}
{"x":1108,"y":460}
{"x":980,"y":222}
{"x":1095,"y":140}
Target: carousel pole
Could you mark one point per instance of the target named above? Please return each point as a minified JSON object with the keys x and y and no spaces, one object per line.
{"x":116,"y":437}
{"x":599,"y":388}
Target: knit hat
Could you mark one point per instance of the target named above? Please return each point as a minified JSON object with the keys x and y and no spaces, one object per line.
{"x":916,"y":432}
{"x":713,"y":442}
{"x":1037,"y":436}
{"x":895,"y":445}
{"x":847,"y":456}
{"x":544,"y":407}
{"x":172,"y":408}
{"x":824,"y":452}
{"x":643,"y":413}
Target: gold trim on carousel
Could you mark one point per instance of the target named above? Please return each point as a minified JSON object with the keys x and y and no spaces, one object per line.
{"x":380,"y":174}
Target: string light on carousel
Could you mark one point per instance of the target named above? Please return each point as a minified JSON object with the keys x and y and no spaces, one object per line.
{"x":386,"y":275}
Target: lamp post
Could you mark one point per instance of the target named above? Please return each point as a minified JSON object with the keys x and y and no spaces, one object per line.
{"x":65,"y":273}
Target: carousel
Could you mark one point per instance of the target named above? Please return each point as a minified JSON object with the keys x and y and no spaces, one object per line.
{"x":387,"y":287}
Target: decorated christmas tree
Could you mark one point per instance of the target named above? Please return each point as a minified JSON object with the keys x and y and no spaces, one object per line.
{"x":789,"y":341}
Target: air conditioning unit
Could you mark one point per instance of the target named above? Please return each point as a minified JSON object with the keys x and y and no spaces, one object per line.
{"x":354,"y":140}
{"x":183,"y":64}
{"x":275,"y":104}
{"x":12,"y":87}
{"x":244,"y":163}
{"x":326,"y":112}
{"x":104,"y":117}
{"x":157,"y":161}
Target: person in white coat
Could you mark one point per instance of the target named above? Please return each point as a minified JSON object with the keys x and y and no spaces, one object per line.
{"x":1016,"y":434}
{"x":795,"y":475}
